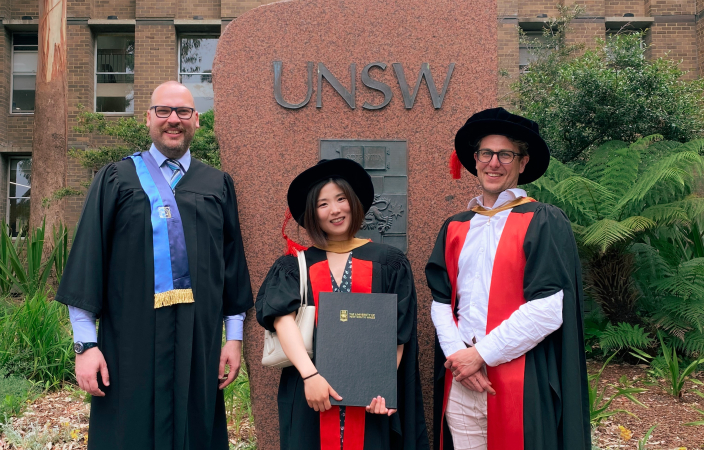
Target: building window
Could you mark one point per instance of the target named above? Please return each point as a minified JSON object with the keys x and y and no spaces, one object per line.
{"x":114,"y":74}
{"x":24,"y":71}
{"x":532,"y":43}
{"x":196,"y":67}
{"x":18,"y":193}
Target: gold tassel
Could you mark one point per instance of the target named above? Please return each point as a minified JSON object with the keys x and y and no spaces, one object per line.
{"x":173,"y":297}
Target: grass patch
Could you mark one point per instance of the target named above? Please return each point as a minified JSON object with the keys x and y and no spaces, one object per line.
{"x":35,"y":341}
{"x":238,"y":407}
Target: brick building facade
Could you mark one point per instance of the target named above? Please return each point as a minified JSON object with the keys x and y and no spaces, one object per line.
{"x":119,"y":50}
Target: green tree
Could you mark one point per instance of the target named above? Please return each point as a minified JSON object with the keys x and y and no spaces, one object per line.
{"x":622,"y":195}
{"x":583,"y":99}
{"x":134,"y":137}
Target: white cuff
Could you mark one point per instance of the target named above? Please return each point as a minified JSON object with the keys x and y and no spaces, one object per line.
{"x":448,"y":333}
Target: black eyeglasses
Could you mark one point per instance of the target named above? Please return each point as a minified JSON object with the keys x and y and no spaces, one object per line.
{"x":183,"y":112}
{"x":505,"y":156}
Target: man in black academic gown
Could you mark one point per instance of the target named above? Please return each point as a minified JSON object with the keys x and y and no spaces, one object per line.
{"x":507,"y":303}
{"x":158,"y":259}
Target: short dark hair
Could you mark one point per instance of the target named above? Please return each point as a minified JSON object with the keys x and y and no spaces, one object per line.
{"x":522,"y":146}
{"x":310,"y":215}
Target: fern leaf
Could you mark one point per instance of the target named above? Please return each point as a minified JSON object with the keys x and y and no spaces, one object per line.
{"x":668,"y":214}
{"x":605,"y":233}
{"x":638,"y":223}
{"x":624,"y":335}
{"x":621,"y":171}
{"x":665,"y":181}
{"x":600,"y":157}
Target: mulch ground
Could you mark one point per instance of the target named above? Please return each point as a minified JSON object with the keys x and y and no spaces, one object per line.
{"x":61,"y":418}
{"x":663,"y":410}
{"x":63,"y":415}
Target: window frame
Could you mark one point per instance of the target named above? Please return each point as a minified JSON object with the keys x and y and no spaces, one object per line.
{"x":10,"y":158}
{"x":187,"y":35}
{"x":96,"y":73}
{"x":12,"y":73}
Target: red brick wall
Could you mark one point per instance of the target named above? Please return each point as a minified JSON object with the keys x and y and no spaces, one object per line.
{"x":671,"y":7}
{"x":21,"y":8}
{"x":5,"y":74}
{"x":677,"y":41}
{"x":585,"y":33}
{"x":535,"y":7}
{"x":209,"y":9}
{"x":155,"y":61}
{"x":592,"y":8}
{"x":508,"y":59}
{"x":617,"y":8}
{"x":234,"y":8}
{"x":123,"y":9}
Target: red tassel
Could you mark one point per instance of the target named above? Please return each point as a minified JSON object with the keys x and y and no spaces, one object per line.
{"x":455,"y":166}
{"x":292,"y":247}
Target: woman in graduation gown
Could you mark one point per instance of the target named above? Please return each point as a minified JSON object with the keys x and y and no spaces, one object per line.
{"x":330,"y":200}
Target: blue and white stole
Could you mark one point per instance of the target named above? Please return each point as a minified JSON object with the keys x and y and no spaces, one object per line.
{"x":172,"y":280}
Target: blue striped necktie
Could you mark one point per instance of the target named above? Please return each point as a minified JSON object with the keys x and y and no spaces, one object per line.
{"x":177,"y":170}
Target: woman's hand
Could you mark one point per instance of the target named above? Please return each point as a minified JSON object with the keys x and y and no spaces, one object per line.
{"x":378,"y":406}
{"x":318,"y":393}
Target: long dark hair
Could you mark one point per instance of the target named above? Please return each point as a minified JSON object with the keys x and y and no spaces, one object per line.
{"x":310,"y":216}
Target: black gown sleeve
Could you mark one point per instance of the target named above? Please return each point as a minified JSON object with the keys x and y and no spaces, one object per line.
{"x":436,"y":270}
{"x":550,"y":250}
{"x":83,"y":281}
{"x":280,"y":292}
{"x":552,"y":264}
{"x":237,"y":292}
{"x":399,"y":280}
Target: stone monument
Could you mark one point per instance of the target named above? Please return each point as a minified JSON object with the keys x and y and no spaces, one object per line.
{"x":384,"y":82}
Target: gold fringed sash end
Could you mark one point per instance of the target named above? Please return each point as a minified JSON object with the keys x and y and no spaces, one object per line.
{"x":173,"y":297}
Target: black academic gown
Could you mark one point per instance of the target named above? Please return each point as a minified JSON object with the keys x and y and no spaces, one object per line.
{"x":163,"y":363}
{"x":299,"y":425}
{"x":553,"y":374}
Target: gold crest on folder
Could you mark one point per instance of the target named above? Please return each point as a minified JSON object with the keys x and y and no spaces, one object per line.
{"x":343,"y":315}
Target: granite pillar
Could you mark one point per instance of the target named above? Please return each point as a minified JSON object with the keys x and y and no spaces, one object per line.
{"x":264,"y":145}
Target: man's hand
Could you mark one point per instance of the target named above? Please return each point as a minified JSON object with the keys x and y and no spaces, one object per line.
{"x":478,"y":382}
{"x":88,"y":364}
{"x":231,"y":355}
{"x":464,"y":363}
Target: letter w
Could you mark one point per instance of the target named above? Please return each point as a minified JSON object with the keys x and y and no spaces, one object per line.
{"x":409,"y":98}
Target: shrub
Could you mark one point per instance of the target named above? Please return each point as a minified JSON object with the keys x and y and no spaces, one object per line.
{"x":134,"y":137}
{"x":582,"y":99}
{"x":14,"y":393}
{"x":621,"y":195}
{"x":36,"y":343}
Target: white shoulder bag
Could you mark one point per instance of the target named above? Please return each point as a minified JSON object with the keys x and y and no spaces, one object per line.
{"x":274,"y":355}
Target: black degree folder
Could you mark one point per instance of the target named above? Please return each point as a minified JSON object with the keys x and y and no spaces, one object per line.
{"x":355,"y":346}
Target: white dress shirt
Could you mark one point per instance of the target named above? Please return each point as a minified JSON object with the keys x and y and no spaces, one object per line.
{"x":515,"y":336}
{"x":83,"y":322}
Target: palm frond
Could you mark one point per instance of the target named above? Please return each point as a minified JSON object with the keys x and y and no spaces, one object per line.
{"x":605,"y":233}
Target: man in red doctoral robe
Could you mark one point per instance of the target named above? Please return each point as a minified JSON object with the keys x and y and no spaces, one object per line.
{"x":507,"y":304}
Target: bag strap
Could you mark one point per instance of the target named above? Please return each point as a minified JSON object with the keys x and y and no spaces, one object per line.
{"x":303,"y":276}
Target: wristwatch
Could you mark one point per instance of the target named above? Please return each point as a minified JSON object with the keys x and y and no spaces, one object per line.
{"x":80,"y":347}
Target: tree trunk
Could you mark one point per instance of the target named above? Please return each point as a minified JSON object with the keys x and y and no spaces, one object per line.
{"x":610,"y":283}
{"x":50,"y":140}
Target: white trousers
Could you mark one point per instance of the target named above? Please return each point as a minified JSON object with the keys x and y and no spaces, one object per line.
{"x":466,"y":417}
